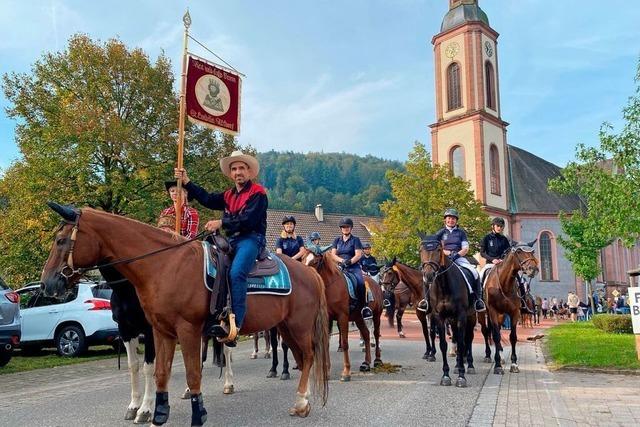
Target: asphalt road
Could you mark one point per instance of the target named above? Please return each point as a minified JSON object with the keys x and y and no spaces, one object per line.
{"x":97,"y":394}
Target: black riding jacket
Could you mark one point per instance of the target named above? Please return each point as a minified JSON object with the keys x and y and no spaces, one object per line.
{"x":493,"y":246}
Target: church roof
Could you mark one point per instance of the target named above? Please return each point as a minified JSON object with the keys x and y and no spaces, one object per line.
{"x":529,"y":177}
{"x":464,"y":11}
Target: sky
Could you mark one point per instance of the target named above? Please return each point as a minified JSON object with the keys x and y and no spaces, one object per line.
{"x":357,"y":75}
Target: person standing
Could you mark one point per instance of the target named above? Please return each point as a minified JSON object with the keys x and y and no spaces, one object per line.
{"x":190,"y":220}
{"x":244,"y":221}
{"x":572,"y":302}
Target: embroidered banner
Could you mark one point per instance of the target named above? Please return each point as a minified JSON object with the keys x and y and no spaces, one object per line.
{"x":213,"y":96}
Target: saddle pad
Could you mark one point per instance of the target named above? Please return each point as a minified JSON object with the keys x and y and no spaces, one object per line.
{"x":210,"y":270}
{"x":351,"y":284}
{"x":277,"y":284}
{"x":468,"y":276}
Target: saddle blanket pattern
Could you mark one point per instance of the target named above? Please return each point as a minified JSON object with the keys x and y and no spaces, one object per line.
{"x":351,"y":287}
{"x":277,"y":284}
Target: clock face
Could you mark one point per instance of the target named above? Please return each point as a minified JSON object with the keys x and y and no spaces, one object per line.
{"x":452,"y":50}
{"x":488,"y":49}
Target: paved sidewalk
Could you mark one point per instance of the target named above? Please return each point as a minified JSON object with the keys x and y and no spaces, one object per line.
{"x":537,"y":396}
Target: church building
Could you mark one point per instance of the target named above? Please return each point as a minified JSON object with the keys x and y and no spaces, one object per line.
{"x":471,"y":136}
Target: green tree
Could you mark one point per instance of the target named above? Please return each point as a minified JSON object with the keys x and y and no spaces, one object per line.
{"x":420,"y":196}
{"x":96,"y":126}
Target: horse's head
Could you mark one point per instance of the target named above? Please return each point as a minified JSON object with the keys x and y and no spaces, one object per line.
{"x":72,"y":248}
{"x":431,"y":257}
{"x":314,"y":256}
{"x":389,"y":277}
{"x":523,"y":254}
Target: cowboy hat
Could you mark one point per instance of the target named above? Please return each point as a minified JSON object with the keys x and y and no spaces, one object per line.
{"x":169,"y":184}
{"x":239,"y":156}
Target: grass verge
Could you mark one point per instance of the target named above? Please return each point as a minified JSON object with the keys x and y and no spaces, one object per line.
{"x":48,"y":358}
{"x":581,"y":344}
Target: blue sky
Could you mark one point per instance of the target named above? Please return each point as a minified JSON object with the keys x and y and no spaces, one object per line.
{"x":357,"y":75}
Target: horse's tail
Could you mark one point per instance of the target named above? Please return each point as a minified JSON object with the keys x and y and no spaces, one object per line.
{"x":321,"y":361}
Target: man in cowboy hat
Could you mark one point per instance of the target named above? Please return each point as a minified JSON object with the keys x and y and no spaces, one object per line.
{"x":244,"y":222}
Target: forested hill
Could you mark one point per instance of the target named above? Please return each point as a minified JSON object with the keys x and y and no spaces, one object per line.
{"x":342,"y":183}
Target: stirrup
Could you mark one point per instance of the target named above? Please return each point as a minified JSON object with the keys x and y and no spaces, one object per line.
{"x":480,"y":306}
{"x":386,"y":303}
{"x":423,"y":305}
{"x":232,"y":332}
{"x":366,"y":313}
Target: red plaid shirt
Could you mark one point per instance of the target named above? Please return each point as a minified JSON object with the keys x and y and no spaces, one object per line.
{"x":189,"y":223}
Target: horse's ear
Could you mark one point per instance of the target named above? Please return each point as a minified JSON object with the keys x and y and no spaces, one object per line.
{"x":66,"y":212}
{"x":394,"y":260}
{"x":530,"y":244}
{"x":423,"y":236}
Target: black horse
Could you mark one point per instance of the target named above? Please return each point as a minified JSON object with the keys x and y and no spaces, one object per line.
{"x":449,"y":300}
{"x":273,"y":372}
{"x":128,"y":314}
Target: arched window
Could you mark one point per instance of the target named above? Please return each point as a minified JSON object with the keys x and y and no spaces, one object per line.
{"x":546,"y":257}
{"x":494,"y":166}
{"x":454,"y":92}
{"x":490,"y":85}
{"x":456,"y":160}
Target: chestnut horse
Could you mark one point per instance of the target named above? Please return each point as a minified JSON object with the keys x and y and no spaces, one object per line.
{"x":169,"y":283}
{"x":338,"y":308}
{"x":449,"y":300}
{"x":501,"y":296}
{"x":414,"y":280}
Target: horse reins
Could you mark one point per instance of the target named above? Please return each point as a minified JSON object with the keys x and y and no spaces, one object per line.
{"x":68,"y":270}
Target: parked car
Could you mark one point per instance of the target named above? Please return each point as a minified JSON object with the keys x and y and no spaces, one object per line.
{"x":10,"y":330}
{"x":81,"y":319}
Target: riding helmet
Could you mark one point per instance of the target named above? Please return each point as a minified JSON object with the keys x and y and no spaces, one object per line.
{"x":498,"y":221}
{"x":452,"y":212}
{"x":346,"y":222}
{"x":366,"y":245}
{"x":314,"y":236}
{"x":288,"y":218}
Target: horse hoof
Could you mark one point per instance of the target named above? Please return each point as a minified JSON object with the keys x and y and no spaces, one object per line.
{"x":431,"y":359}
{"x":461,"y":382}
{"x":445,"y":381}
{"x":487,"y":360}
{"x":455,"y":371}
{"x":471,"y":371}
{"x":302,"y":413}
{"x":267,"y":355}
{"x":285,"y":376}
{"x":514,"y":368}
{"x":364,"y":349}
{"x":345,"y":378}
{"x":361,"y":343}
{"x":401,"y":335}
{"x":228,"y":389}
{"x":372,"y":344}
{"x":425,"y":356}
{"x":272,"y":374}
{"x":377,"y":363}
{"x":365,"y":367}
{"x":143,"y":418}
{"x":131,"y":414}
{"x":254,"y":355}
{"x":498,"y":371}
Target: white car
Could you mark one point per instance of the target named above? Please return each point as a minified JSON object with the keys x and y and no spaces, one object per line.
{"x":81,"y":319}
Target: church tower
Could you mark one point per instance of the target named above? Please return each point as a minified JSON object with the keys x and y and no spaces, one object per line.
{"x":469,"y":133}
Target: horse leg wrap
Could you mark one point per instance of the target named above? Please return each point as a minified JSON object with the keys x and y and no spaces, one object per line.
{"x":198,"y":413}
{"x":161,"y":413}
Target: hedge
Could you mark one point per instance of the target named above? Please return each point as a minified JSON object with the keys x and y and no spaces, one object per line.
{"x":615,"y":323}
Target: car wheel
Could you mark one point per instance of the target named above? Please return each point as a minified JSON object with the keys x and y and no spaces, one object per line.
{"x":70,"y":341}
{"x":5,"y":356}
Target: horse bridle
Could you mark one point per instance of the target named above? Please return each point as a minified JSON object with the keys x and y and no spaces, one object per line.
{"x":523,"y":263}
{"x":68,"y":267}
{"x":383,"y":272}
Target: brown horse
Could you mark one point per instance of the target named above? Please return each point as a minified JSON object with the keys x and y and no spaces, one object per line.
{"x":501,"y":296}
{"x":414,"y":280}
{"x":337,"y":296}
{"x":449,"y":299}
{"x":400,"y":297}
{"x":169,"y":283}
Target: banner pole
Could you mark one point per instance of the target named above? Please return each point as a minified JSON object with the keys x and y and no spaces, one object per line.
{"x":186,"y":19}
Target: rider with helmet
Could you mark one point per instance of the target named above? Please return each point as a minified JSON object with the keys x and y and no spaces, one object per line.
{"x":493,"y":248}
{"x":347,"y":251}
{"x":289,"y":243}
{"x":314,"y":238}
{"x":368,"y":261}
{"x":456,"y":246}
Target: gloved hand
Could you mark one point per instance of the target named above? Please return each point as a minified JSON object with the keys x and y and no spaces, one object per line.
{"x":342,"y":265}
{"x":454,"y":256}
{"x":347,"y":262}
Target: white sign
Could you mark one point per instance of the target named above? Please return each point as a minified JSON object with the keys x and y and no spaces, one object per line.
{"x":634,"y":303}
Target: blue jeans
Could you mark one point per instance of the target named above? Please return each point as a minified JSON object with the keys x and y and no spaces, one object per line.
{"x":246,"y":249}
